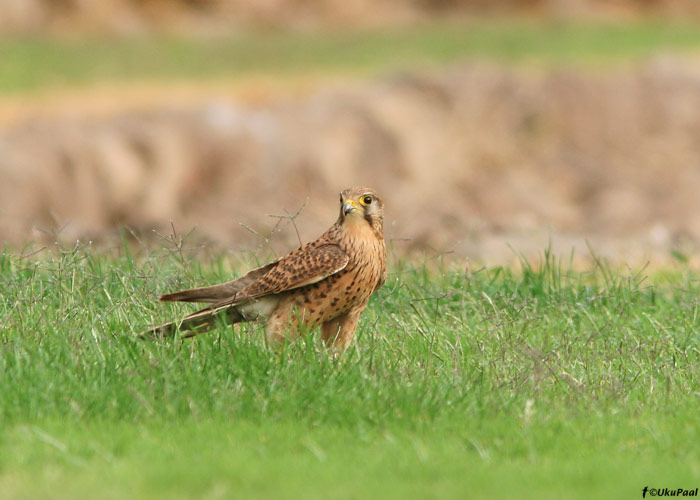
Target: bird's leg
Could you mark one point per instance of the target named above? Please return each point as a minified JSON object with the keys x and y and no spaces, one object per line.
{"x":339,"y":332}
{"x":286,"y":323}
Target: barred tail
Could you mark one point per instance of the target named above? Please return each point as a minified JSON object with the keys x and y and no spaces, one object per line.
{"x":198,"y":322}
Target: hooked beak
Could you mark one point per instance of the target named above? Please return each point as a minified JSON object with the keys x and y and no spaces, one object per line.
{"x":349,"y":207}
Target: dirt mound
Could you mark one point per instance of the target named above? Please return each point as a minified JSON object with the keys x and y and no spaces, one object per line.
{"x":467,"y":159}
{"x":212,"y":16}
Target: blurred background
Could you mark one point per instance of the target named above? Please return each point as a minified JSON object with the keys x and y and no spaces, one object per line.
{"x":491,"y":127}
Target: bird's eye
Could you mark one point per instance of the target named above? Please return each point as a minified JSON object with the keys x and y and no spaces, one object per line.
{"x":367,"y":200}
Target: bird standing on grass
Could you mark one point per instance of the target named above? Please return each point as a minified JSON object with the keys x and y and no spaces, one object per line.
{"x":326,"y":282}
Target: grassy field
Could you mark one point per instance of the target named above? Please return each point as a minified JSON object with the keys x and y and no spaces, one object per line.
{"x":541,"y":382}
{"x":28,"y":64}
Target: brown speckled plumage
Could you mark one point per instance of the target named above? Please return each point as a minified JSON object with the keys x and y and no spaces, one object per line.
{"x":327,"y":282}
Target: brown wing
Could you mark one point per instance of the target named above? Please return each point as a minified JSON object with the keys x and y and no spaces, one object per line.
{"x":221,"y":292}
{"x":304,"y":266}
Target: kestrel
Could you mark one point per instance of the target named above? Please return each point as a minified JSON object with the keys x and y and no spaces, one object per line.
{"x":326,"y":282}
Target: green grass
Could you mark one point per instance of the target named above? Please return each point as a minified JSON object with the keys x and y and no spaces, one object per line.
{"x":36,"y":63}
{"x":535,"y":383}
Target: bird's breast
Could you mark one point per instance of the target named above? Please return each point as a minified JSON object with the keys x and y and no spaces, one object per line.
{"x":352,"y":286}
{"x":345,"y":290}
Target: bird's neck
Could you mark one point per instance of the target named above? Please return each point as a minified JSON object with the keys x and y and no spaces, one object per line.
{"x":359,"y":227}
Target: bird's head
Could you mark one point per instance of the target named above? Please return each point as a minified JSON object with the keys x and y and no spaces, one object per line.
{"x":362,"y":205}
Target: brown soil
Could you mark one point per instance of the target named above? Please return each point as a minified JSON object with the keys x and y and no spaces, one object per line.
{"x":223,"y":16}
{"x":469,"y":160}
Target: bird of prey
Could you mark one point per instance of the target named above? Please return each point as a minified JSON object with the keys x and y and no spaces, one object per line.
{"x":326,"y":282}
